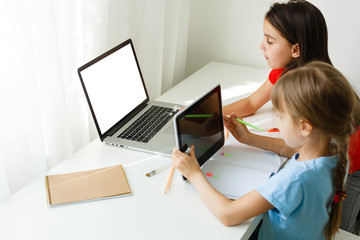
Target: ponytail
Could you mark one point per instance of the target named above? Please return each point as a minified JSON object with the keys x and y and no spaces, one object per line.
{"x":340,"y":147}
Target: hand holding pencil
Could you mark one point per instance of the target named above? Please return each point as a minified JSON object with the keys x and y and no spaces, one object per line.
{"x":184,"y":162}
{"x":237,"y":128}
{"x":248,"y":124}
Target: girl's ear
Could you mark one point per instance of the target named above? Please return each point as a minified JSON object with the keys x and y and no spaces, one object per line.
{"x":295,"y":51}
{"x":305,"y":128}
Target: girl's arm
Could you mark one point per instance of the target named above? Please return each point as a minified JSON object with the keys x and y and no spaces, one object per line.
{"x":252,"y":103}
{"x":242,"y":134}
{"x":227,"y":211}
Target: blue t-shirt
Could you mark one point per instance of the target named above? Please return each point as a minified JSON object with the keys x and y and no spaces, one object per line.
{"x":300,"y":194}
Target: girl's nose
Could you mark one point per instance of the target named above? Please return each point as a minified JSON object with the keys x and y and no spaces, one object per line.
{"x":261,"y":46}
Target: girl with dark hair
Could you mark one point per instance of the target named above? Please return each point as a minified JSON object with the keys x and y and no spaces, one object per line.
{"x":295,"y":33}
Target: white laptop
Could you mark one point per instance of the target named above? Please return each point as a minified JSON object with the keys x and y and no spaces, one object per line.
{"x":119,"y":103}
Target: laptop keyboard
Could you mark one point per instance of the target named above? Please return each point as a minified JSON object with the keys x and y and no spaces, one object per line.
{"x":148,"y":124}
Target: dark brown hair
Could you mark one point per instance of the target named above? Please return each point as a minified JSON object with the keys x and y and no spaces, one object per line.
{"x":301,"y":22}
{"x":320,"y":95}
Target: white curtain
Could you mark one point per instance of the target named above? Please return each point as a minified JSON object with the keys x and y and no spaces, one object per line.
{"x":44,"y":115}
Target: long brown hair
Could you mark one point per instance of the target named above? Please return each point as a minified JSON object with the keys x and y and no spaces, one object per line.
{"x":321,"y":95}
{"x":299,"y":21}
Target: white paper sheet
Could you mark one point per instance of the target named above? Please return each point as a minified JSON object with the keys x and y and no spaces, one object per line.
{"x":237,"y":169}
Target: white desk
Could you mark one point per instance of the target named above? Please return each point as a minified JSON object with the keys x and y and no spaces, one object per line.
{"x":148,"y":213}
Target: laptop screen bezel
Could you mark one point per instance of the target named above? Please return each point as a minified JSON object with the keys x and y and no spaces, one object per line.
{"x":112,"y":130}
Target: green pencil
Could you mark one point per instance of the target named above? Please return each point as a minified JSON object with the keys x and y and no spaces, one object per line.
{"x":198,"y":115}
{"x":248,"y":124}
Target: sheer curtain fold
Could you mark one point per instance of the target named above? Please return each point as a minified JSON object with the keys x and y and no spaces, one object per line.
{"x":44,"y":115}
{"x":21,"y":134}
{"x":176,"y":20}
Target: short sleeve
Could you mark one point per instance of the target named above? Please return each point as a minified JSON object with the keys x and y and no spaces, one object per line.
{"x":354,"y":154}
{"x":284,"y":191}
{"x":275,"y":74}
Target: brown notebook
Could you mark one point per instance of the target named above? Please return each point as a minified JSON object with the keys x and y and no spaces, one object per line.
{"x":86,"y":185}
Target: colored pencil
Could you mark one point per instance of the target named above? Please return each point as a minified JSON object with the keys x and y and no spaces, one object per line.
{"x":168,"y":182}
{"x":248,"y":124}
{"x":171,"y":174}
{"x":198,"y":115}
{"x":155,"y":171}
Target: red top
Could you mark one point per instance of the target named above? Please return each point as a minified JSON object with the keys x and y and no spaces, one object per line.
{"x":354,"y":152}
{"x":354,"y":141}
{"x":275,"y":75}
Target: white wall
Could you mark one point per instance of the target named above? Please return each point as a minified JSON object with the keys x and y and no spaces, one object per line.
{"x":342,"y":18}
{"x":231,"y":30}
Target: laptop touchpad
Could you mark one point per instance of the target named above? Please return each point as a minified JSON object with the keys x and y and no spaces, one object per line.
{"x":170,"y":129}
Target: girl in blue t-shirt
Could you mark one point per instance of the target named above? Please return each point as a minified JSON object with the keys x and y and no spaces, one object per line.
{"x":315,"y":106}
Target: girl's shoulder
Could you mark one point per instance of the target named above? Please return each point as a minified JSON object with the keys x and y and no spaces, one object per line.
{"x":313,"y":168}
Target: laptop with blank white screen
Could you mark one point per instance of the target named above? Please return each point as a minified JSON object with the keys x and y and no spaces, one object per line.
{"x":119,"y":103}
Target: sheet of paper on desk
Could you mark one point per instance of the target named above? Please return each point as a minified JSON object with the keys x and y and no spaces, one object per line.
{"x":247,"y":156}
{"x":237,"y":169}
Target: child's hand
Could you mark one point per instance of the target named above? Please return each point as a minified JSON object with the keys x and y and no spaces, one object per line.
{"x":226,"y":133}
{"x":237,"y":129}
{"x":187,"y":165}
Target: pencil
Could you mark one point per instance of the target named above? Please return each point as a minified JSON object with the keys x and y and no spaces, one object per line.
{"x":248,"y":124}
{"x":198,"y":115}
{"x":168,"y":182}
{"x":155,"y":171}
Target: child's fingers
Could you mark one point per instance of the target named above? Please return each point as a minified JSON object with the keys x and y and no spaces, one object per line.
{"x":185,"y":163}
{"x":226,"y":133}
{"x":234,"y":119}
{"x":192,"y":152}
{"x":179,"y":157}
{"x":228,"y":122}
{"x":174,"y":156}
